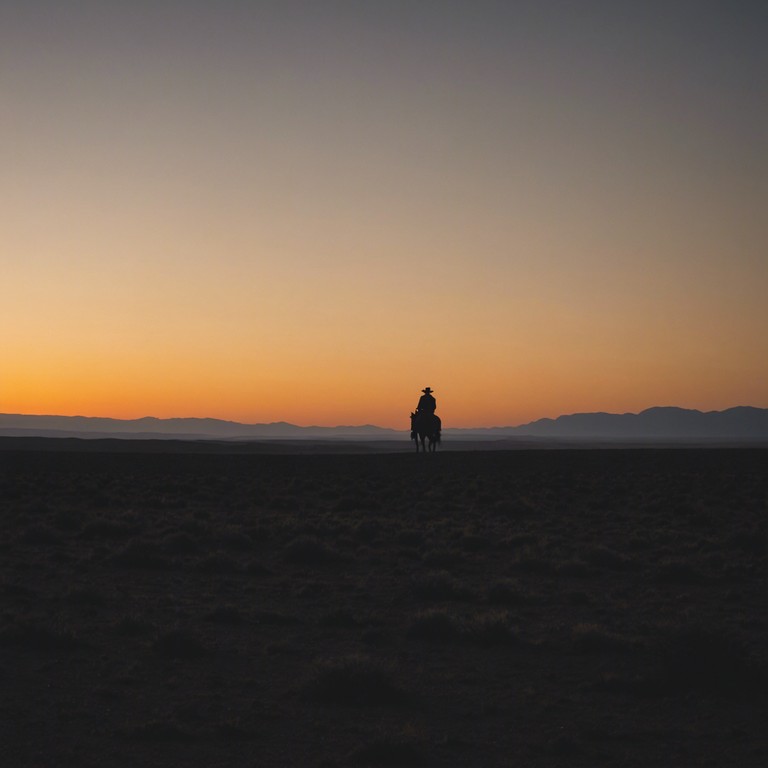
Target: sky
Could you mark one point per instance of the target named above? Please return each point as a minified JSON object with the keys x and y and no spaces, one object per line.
{"x":310,"y":211}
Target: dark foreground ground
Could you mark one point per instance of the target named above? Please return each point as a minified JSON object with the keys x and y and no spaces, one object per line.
{"x":532,"y":608}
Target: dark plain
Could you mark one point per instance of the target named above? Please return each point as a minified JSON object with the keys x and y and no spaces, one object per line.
{"x":531,"y":608}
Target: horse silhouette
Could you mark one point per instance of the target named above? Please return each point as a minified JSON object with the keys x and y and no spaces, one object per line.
{"x":425,"y":427}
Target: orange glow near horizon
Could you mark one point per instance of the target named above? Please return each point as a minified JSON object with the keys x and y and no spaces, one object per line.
{"x":317,"y":399}
{"x":229,"y":341}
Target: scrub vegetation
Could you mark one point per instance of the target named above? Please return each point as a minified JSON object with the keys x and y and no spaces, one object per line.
{"x":537,"y":608}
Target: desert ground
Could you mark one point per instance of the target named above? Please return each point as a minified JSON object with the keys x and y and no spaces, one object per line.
{"x":467,"y":608}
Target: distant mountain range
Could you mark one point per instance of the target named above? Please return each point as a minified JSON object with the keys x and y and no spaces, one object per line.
{"x":742,"y":423}
{"x":177,"y":429}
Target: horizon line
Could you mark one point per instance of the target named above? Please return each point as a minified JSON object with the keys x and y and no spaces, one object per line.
{"x":371,"y":425}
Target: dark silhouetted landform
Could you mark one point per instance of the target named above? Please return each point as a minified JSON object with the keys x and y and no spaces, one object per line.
{"x":654,"y":423}
{"x":741,"y":423}
{"x":150,"y":427}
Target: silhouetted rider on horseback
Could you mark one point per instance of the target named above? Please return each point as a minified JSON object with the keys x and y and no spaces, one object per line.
{"x":427,"y":403}
{"x":425,"y":424}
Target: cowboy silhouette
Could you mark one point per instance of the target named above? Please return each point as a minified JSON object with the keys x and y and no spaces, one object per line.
{"x":427,"y":403}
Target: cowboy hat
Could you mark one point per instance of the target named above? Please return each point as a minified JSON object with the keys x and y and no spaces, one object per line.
{"x":427,"y":390}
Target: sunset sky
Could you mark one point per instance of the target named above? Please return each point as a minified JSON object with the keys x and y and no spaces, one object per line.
{"x":309,"y":211}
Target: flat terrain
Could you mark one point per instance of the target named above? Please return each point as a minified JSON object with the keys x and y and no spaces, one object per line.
{"x":531,"y":608}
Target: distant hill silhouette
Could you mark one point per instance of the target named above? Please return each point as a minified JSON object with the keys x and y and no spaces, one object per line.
{"x":741,"y":423}
{"x":187,"y":429}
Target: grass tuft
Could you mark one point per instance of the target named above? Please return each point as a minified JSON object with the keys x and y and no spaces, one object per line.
{"x":218,"y":562}
{"x":603,"y":557}
{"x":180,"y":644}
{"x":39,"y":533}
{"x":435,"y":626}
{"x":140,"y":554}
{"x":712,"y":662}
{"x":443,"y":558}
{"x":677,"y":572}
{"x":388,"y":753}
{"x":309,"y":551}
{"x":507,"y":592}
{"x":160,"y":731}
{"x":355,"y":681}
{"x":33,"y":637}
{"x":492,"y":629}
{"x":593,"y":638}
{"x":106,"y":529}
{"x":437,"y":585}
{"x":225,"y":614}
{"x":181,"y":544}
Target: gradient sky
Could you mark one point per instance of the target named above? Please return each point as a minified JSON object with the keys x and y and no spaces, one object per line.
{"x":308,"y":211}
